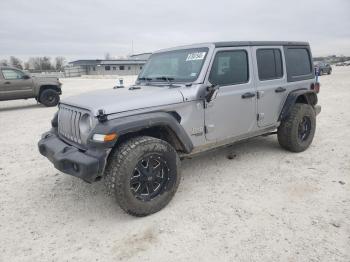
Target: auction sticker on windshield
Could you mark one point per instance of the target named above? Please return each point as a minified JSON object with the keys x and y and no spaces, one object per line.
{"x":195,"y":56}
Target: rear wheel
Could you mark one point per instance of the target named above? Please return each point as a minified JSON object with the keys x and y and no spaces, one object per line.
{"x":49,"y":97}
{"x":297,"y":131}
{"x":144,"y":174}
{"x":321,"y":72}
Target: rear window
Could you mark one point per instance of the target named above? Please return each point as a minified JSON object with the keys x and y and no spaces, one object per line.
{"x":298,"y":62}
{"x":269,"y":64}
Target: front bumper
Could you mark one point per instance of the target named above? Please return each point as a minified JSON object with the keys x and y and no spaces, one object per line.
{"x":87,"y":165}
{"x":317,"y":109}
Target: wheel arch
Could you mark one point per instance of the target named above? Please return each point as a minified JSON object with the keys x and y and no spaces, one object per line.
{"x":303,"y":96}
{"x":48,"y":86}
{"x":161,"y":125}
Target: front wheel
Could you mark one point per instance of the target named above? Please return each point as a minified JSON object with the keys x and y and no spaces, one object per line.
{"x":144,"y":174}
{"x":49,"y":97}
{"x":297,"y":131}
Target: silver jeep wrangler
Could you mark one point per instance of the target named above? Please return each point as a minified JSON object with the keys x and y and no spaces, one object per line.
{"x":186,"y":100}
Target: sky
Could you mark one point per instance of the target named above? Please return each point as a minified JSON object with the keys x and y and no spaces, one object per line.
{"x":88,"y":29}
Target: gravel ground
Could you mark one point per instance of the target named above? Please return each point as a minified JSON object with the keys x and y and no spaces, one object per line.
{"x":265,"y":204}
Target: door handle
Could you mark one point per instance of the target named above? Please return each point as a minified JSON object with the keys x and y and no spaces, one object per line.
{"x":280,"y":89}
{"x":7,"y":83}
{"x":248,"y":95}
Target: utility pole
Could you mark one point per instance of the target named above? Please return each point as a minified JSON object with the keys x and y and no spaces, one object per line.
{"x":132,"y":47}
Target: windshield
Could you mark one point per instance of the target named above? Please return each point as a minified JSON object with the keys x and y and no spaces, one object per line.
{"x":178,"y":66}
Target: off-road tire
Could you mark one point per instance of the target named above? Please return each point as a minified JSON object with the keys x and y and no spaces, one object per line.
{"x":49,"y":97}
{"x":321,"y":72}
{"x":329,"y":72}
{"x":288,"y":131}
{"x":121,"y":165}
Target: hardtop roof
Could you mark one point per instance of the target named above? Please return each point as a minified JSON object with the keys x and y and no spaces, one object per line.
{"x":234,"y":44}
{"x":259,"y":43}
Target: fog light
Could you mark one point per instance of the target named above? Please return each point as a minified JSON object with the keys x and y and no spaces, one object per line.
{"x":104,"y":138}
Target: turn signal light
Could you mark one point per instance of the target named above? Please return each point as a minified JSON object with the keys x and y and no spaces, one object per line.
{"x":104,"y":138}
{"x":316,"y":87}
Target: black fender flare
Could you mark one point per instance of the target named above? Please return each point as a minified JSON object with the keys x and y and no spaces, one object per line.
{"x":135,"y":123}
{"x":307,"y":96}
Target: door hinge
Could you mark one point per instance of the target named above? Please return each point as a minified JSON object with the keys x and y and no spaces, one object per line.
{"x":260,"y":116}
{"x":205,"y":104}
{"x":205,"y":130}
{"x":260,"y":94}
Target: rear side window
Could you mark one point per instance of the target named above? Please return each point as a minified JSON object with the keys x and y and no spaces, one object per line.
{"x":230,"y":68}
{"x":298,"y":62}
{"x":269,"y":64}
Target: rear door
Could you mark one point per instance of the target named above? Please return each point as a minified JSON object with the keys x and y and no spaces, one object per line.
{"x":233,"y":111}
{"x":271,"y":79}
{"x":14,"y":86}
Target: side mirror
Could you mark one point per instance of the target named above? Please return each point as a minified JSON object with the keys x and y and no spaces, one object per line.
{"x":211,"y":92}
{"x":25,"y":77}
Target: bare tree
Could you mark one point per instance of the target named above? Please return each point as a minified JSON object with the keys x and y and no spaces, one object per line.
{"x":60,"y":62}
{"x":15,"y":62}
{"x":108,"y":56}
{"x":46,"y":63}
{"x":26,"y":65}
{"x":4,"y":62}
{"x":40,"y":63}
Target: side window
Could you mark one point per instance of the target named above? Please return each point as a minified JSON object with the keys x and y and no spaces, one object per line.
{"x":298,"y":62}
{"x":230,"y":68}
{"x":107,"y":68}
{"x":269,"y":64}
{"x":10,"y":74}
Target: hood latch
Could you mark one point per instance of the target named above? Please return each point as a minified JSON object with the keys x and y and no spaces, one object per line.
{"x":102,"y":117}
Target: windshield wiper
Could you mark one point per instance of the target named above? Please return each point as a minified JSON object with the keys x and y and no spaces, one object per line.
{"x":166,"y":78}
{"x":145,"y":78}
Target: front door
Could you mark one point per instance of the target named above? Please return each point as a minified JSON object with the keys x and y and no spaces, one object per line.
{"x":271,"y":80}
{"x":14,"y":86}
{"x":233,"y":111}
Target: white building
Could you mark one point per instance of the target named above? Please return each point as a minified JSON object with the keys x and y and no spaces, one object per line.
{"x":119,"y":67}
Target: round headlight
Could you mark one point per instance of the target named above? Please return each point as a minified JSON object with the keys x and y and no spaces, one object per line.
{"x":85,"y":124}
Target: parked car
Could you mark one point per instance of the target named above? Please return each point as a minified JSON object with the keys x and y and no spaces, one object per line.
{"x":16,"y":84}
{"x":185,"y":101}
{"x":340,"y":64}
{"x":323,"y":68}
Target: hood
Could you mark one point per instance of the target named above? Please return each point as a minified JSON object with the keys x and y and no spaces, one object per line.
{"x":46,"y":79}
{"x":123,"y":99}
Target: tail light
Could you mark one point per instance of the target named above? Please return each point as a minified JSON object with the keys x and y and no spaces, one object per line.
{"x":316,"y":87}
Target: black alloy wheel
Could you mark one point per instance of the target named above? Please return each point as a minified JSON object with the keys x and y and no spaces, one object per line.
{"x":150,"y":177}
{"x":304,"y":128}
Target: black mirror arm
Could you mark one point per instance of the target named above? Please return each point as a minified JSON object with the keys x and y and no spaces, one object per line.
{"x":211,"y":89}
